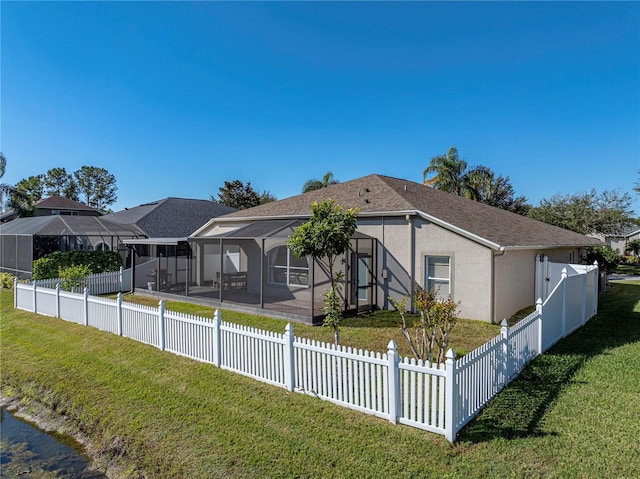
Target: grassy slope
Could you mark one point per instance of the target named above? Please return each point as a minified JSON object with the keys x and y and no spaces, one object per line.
{"x":573,"y":413}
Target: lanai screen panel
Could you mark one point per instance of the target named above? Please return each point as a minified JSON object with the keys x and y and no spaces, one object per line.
{"x":17,"y":255}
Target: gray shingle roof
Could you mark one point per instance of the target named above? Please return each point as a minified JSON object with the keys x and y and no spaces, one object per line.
{"x":55,"y":225}
{"x":62,"y":203}
{"x":376,"y":194}
{"x":170,"y":217}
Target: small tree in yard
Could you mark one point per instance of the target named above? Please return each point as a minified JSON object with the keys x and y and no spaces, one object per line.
{"x":432,"y":329}
{"x":325,"y":237}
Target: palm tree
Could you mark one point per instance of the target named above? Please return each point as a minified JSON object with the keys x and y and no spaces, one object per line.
{"x":327,"y":180}
{"x":452,"y":174}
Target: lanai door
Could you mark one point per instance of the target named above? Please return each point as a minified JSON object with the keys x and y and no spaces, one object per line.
{"x":362,"y":281}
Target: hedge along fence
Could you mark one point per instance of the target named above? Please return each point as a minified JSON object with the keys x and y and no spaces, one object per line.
{"x":441,"y":398}
{"x":49,"y":266}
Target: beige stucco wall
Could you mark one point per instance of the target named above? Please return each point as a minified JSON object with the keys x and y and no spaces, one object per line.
{"x":514,"y":282}
{"x":401,"y":256}
{"x":515,"y":273}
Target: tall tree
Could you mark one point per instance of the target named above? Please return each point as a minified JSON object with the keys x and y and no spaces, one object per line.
{"x":25,"y":194}
{"x":97,"y":187}
{"x":636,"y":187}
{"x":238,"y":195}
{"x":497,"y":191}
{"x":57,"y":182}
{"x":5,"y":189}
{"x":325,"y":237}
{"x":452,"y":174}
{"x":267,"y":197}
{"x":587,"y":212}
{"x":327,"y":180}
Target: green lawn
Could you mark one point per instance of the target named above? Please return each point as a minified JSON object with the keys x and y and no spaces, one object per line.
{"x":573,"y":412}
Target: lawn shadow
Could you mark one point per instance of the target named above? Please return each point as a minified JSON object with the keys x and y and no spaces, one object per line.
{"x":519,"y":409}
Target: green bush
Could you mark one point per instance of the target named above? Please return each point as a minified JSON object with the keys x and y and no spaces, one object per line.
{"x":74,"y":277}
{"x":630,"y":260}
{"x":6,"y":280}
{"x":50,"y":265}
{"x":606,"y":257}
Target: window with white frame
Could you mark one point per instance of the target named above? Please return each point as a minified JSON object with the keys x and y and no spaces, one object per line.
{"x":438,"y":275}
{"x":286,"y":269}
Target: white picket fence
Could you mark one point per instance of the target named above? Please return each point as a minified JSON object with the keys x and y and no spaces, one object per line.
{"x":440,"y":398}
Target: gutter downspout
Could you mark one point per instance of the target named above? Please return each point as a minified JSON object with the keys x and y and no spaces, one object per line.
{"x":412,"y":259}
{"x":500,"y":252}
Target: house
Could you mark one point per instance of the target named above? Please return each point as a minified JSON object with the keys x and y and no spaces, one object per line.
{"x":25,"y":240}
{"x":408,"y":235}
{"x":166,"y":224}
{"x":621,"y":241}
{"x":55,"y":206}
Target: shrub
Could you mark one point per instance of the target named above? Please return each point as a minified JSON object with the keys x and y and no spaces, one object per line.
{"x":97,"y":261}
{"x":6,"y":280}
{"x":630,"y":260}
{"x":432,"y":331}
{"x":74,"y":277}
{"x":606,"y":257}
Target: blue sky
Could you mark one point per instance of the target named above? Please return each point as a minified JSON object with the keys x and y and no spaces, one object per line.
{"x":175,"y":98}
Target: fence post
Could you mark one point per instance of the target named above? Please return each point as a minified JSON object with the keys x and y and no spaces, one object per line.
{"x":161,"y":324}
{"x":540,"y":323}
{"x":58,"y":300}
{"x":119,"y":314}
{"x":450,"y":397}
{"x":563,"y":278}
{"x":506,"y":366}
{"x":584,"y":297}
{"x":120,"y":279}
{"x":289,"y":358}
{"x":35,"y":297}
{"x":15,"y":292}
{"x":393,"y":381}
{"x":217,"y":354}
{"x":596,"y":287}
{"x":86,"y":306}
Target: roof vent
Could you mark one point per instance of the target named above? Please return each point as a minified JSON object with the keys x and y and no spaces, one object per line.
{"x":405,"y":188}
{"x":367,"y":200}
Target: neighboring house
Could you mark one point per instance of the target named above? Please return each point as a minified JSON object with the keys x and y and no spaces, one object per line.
{"x":170,"y":217}
{"x":56,"y":206}
{"x":25,"y":240}
{"x":166,"y":223}
{"x":408,"y":235}
{"x":620,"y":241}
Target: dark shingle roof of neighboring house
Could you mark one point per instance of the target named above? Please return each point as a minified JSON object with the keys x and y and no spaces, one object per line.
{"x":62,"y":203}
{"x":59,"y":203}
{"x":55,"y":225}
{"x":171,"y":217}
{"x":377,"y":194}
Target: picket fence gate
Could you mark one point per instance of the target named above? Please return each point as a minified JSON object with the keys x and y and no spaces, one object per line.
{"x":441,"y":398}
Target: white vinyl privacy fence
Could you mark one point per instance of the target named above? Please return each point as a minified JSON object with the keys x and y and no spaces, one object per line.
{"x":440,"y":398}
{"x":100,"y":283}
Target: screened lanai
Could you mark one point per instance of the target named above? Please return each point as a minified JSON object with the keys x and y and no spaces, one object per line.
{"x":251,"y":265}
{"x":25,"y":240}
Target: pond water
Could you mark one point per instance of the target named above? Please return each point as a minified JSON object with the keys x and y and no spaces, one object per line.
{"x":26,"y":451}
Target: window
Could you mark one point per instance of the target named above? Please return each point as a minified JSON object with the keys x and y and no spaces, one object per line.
{"x":286,"y":269}
{"x":438,"y":275}
{"x":62,"y":212}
